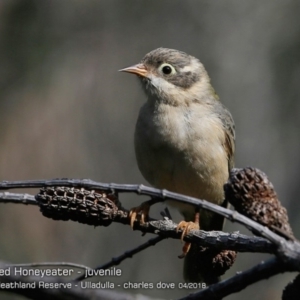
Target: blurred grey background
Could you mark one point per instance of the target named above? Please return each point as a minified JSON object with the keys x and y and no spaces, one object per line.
{"x":65,"y":111}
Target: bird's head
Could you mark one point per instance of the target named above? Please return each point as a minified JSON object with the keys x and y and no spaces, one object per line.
{"x":172,"y":76}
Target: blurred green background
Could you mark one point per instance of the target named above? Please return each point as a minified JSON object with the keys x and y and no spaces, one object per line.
{"x":65,"y":111}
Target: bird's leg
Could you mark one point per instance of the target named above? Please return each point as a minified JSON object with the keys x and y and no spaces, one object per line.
{"x":186,"y":227}
{"x":141,"y":212}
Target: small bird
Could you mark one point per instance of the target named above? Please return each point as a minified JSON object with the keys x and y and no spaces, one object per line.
{"x":184,"y":140}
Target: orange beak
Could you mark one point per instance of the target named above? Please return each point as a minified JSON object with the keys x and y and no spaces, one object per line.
{"x":138,"y":69}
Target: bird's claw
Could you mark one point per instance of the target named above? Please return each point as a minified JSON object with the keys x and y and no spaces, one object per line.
{"x":186,"y":227}
{"x":141,"y":212}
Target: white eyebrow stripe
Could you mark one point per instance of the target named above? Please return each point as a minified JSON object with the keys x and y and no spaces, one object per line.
{"x":188,"y":68}
{"x":191,"y":67}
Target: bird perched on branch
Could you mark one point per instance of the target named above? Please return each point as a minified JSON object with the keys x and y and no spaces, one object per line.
{"x":184,"y":141}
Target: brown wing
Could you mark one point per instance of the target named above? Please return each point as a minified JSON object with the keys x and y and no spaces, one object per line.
{"x":229,"y":145}
{"x":229,"y":129}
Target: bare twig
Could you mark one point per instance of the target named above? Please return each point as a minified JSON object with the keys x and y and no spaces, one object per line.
{"x":167,"y":229}
{"x":128,"y":254}
{"x":240,"y":281}
{"x":287,"y":251}
{"x":155,"y":193}
{"x":18,"y":198}
{"x":50,"y":264}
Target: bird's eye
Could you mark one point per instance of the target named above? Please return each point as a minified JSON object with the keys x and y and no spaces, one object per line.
{"x":167,"y":69}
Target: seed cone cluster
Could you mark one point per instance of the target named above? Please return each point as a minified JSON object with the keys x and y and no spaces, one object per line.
{"x":248,"y":190}
{"x":253,"y":195}
{"x":213,"y":261}
{"x":98,"y":208}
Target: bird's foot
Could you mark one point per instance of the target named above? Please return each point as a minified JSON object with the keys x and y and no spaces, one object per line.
{"x":186,"y":227}
{"x":139,"y":213}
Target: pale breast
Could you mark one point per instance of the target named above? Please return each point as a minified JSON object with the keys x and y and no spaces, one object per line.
{"x":180,"y":149}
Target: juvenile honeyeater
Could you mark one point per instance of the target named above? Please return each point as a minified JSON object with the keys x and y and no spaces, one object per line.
{"x":184,"y":139}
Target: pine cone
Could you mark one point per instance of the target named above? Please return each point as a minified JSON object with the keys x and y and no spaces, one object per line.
{"x":209,"y":264}
{"x":253,"y":195}
{"x":97,"y":208}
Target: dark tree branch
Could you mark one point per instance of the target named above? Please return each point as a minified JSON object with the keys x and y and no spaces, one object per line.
{"x":287,"y":251}
{"x":167,"y":229}
{"x":128,"y":254}
{"x":240,"y":281}
{"x":50,"y":264}
{"x":18,"y":198}
{"x":162,"y":195}
{"x":217,"y":239}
